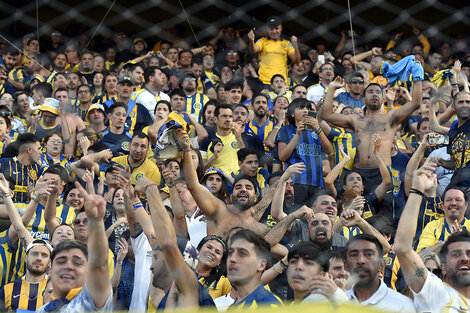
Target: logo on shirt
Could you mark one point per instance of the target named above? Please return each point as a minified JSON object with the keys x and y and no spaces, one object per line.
{"x":125,"y":146}
{"x":138,"y":176}
{"x":234,"y":145}
{"x":197,"y":105}
{"x":132,"y":115}
{"x":59,"y":219}
{"x":33,"y":175}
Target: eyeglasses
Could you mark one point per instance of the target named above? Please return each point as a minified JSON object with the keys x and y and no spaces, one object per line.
{"x":77,"y":222}
{"x":84,"y":91}
{"x":58,"y":141}
{"x":232,"y":53}
{"x":357,"y":82}
{"x":190,"y":78}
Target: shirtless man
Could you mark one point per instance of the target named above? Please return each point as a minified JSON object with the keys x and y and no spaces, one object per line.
{"x":373,"y":122}
{"x":221,"y":217}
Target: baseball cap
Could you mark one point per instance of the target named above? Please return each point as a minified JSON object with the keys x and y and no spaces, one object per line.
{"x":38,"y":242}
{"x":274,"y":21}
{"x":95,"y":106}
{"x":213,"y":170}
{"x":125,"y":79}
{"x":138,"y":39}
{"x":50,"y":105}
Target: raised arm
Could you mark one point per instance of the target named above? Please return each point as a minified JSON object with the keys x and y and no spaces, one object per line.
{"x":200,"y":130}
{"x":327,"y":113}
{"x":270,"y":140}
{"x":412,"y":266}
{"x":206,"y":201}
{"x":401,"y":114}
{"x":184,"y":277}
{"x":179,"y":221}
{"x":295,"y":56}
{"x":97,"y":273}
{"x":276,"y":233}
{"x":414,"y":163}
{"x":50,"y":210}
{"x":138,"y":216}
{"x":15,"y":218}
{"x":253,"y":48}
{"x":277,"y":211}
{"x":121,"y":255}
{"x":335,"y":171}
{"x":386,"y":183}
{"x":434,"y":123}
{"x":352,"y":218}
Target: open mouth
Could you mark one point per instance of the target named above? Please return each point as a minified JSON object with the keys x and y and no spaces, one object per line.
{"x":321,"y":235}
{"x":330,"y":212}
{"x":67,"y":278}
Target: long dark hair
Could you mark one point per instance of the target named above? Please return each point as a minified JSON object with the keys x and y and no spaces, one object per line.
{"x":221,"y":269}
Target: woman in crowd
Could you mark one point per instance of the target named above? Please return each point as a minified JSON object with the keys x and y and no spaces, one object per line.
{"x":211,"y":266}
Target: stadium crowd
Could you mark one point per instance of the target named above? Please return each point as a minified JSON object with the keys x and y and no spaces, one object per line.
{"x":251,"y":171}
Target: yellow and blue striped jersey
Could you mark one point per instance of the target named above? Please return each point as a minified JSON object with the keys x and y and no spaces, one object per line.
{"x":105,"y":97}
{"x":438,"y":231}
{"x":392,"y":275}
{"x":51,"y":78}
{"x":339,"y":136}
{"x":16,"y":74}
{"x":349,"y":232}
{"x":259,"y":297}
{"x":22,"y":175}
{"x":261,"y":177}
{"x":79,"y":111}
{"x":195,"y":103}
{"x":7,"y":249}
{"x":429,"y":210}
{"x":261,"y":131}
{"x":47,"y":161}
{"x":37,"y":225}
{"x":22,"y":295}
{"x":273,"y":95}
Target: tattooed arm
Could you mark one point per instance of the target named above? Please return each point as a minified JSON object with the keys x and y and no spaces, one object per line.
{"x":412,"y":266}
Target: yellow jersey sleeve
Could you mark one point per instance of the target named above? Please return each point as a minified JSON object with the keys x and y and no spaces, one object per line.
{"x":428,"y":236}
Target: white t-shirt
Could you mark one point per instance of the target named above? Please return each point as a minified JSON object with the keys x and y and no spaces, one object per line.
{"x":436,"y":296}
{"x":224,"y":302}
{"x":81,"y":303}
{"x":315,"y":92}
{"x":385,"y":299}
{"x":149,"y":100}
{"x":142,"y":273}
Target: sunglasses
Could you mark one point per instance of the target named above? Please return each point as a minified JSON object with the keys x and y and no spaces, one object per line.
{"x":77,"y":222}
{"x":357,"y":82}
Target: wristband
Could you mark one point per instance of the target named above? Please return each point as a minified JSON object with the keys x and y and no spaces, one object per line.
{"x":318,"y":131}
{"x":137,"y":206}
{"x":6,"y":194}
{"x":416,"y":191}
{"x":277,"y":127}
{"x":282,"y":264}
{"x":35,"y":199}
